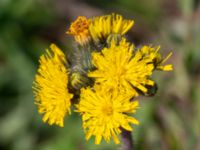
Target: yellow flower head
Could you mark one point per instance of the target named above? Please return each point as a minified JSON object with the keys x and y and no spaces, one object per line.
{"x":103,"y":26}
{"x":50,"y":87}
{"x":153,"y":54}
{"x":105,"y":113}
{"x":80,"y":30}
{"x":118,"y":66}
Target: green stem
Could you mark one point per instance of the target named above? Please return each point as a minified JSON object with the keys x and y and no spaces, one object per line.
{"x":127,"y":140}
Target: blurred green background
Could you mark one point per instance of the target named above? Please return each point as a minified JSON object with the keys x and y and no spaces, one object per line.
{"x":168,"y":121}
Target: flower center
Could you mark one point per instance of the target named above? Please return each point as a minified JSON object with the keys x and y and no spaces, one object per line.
{"x":120,"y":73}
{"x":107,"y":110}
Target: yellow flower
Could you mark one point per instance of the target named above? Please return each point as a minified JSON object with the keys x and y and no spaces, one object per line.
{"x":118,"y":66}
{"x":153,"y":54}
{"x":104,"y":113}
{"x":103,"y":26}
{"x":80,"y":30}
{"x":50,"y":87}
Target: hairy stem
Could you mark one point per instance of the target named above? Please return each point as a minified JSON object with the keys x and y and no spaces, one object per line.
{"x":127,"y":140}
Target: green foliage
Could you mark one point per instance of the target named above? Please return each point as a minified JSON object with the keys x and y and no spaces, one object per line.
{"x":170,"y":120}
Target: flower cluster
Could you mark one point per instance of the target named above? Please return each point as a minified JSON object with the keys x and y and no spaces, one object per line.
{"x":102,"y":80}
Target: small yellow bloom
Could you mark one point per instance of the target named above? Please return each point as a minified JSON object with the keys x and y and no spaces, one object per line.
{"x":153,"y":54}
{"x":119,"y":66}
{"x":104,"y":112}
{"x":80,"y":30}
{"x":103,"y":26}
{"x":50,"y":87}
